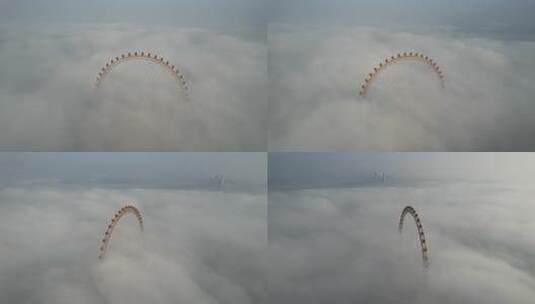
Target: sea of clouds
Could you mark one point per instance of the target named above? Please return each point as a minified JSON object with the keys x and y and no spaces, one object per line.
{"x":197,"y":246}
{"x":316,"y":73}
{"x":48,"y":102}
{"x":343,"y":245}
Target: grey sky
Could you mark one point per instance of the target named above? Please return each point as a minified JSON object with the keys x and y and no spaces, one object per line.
{"x":178,"y":12}
{"x":302,"y":168}
{"x":476,"y":15}
{"x":146,"y":169}
{"x":471,"y":15}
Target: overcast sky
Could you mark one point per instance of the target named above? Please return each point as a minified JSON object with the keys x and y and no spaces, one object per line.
{"x":173,"y":12}
{"x":299,"y":168}
{"x":476,"y":15}
{"x":137,"y":169}
{"x":513,"y":16}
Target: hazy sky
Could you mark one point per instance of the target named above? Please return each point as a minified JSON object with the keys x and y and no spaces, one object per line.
{"x":178,"y":12}
{"x":475,"y":15}
{"x":472,"y":15}
{"x":301,"y":167}
{"x":136,"y":168}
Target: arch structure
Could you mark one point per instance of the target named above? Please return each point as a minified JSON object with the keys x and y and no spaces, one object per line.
{"x":420,"y":228}
{"x":144,"y":56}
{"x":368,"y":80}
{"x":128,"y":209}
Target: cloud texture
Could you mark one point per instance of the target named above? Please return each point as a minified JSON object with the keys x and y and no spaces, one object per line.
{"x":315,"y":75}
{"x":197,"y":247}
{"x":343,"y":245}
{"x":48,"y":102}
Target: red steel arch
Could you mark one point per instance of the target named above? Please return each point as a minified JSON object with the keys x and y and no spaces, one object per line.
{"x":144,"y":56}
{"x":420,"y":228}
{"x":128,"y":209}
{"x":370,"y":77}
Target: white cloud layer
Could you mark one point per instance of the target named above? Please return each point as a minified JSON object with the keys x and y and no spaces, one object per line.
{"x":487,"y":102}
{"x":343,"y":245}
{"x":47,"y":101}
{"x":197,"y":247}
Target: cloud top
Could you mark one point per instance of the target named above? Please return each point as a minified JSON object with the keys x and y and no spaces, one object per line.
{"x":53,"y":67}
{"x":316,"y":75}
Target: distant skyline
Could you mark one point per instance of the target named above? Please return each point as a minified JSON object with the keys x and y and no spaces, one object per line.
{"x":130,"y":169}
{"x":305,"y":169}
